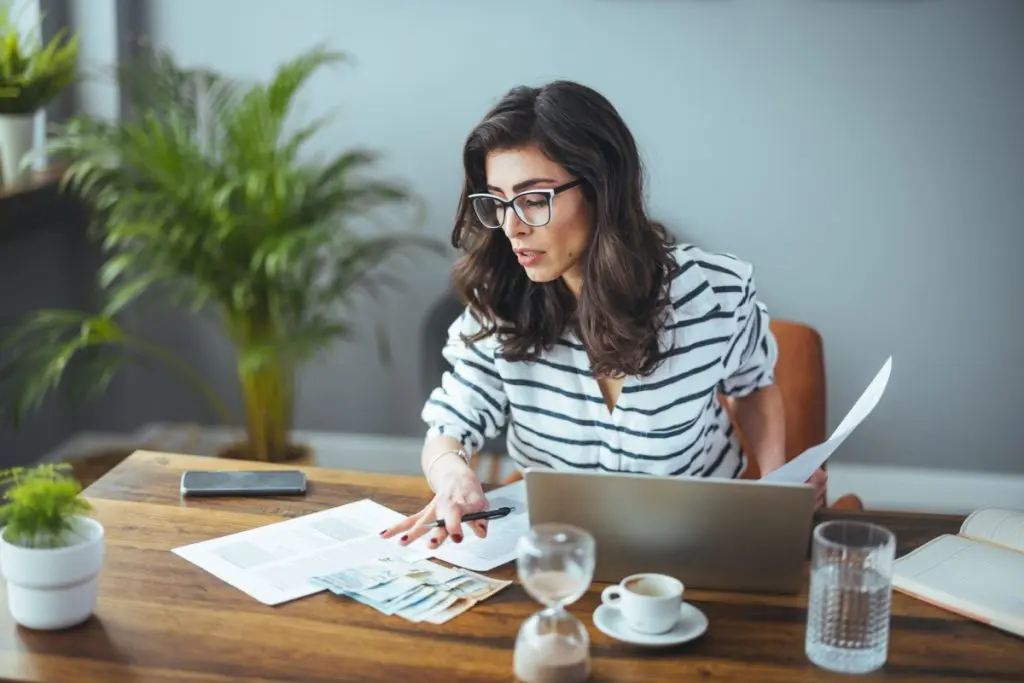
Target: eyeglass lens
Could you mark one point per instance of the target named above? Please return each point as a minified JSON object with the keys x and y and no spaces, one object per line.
{"x":533,"y":208}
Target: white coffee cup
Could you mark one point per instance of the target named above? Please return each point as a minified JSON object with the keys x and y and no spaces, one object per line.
{"x":649,"y":603}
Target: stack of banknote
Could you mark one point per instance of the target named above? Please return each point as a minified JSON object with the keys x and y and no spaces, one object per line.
{"x":421,"y":590}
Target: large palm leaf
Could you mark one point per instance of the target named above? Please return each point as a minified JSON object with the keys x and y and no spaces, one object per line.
{"x":204,"y":197}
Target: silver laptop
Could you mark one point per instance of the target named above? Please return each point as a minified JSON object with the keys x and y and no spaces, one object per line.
{"x":729,"y":534}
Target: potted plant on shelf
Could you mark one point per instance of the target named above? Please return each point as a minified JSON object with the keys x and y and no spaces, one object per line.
{"x":51,"y":552}
{"x":202,"y":198}
{"x":31,"y":76}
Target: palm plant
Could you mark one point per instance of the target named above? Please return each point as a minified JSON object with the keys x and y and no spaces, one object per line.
{"x":203,"y":198}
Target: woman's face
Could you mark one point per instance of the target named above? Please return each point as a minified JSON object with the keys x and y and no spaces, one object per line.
{"x":553,"y":250}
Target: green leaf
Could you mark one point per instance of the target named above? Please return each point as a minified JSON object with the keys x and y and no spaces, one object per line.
{"x":40,"y":352}
{"x":56,"y":350}
{"x":40,"y":505}
{"x":203,"y":198}
{"x":113,"y":269}
{"x":129,"y":292}
{"x":33,"y":74}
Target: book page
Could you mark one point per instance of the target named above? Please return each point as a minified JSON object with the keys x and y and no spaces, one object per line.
{"x":1004,"y":527}
{"x":979,"y":580}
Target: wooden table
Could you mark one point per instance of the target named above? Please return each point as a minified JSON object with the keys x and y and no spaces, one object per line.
{"x":159,"y":618}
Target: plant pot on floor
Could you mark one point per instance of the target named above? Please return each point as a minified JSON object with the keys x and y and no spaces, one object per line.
{"x":17,"y":137}
{"x":54,"y":587}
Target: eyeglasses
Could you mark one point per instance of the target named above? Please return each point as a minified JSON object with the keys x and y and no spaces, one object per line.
{"x":534,"y":207}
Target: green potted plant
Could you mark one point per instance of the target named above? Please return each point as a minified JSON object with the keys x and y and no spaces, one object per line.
{"x":203,"y":199}
{"x":31,"y":76}
{"x":51,"y":552}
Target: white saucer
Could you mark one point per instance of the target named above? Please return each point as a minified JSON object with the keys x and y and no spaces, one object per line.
{"x":692,"y":624}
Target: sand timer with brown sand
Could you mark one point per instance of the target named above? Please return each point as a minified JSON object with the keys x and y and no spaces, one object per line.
{"x":556,"y":565}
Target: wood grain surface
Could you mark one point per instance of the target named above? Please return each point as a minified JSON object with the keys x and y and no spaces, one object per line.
{"x":161,"y":619}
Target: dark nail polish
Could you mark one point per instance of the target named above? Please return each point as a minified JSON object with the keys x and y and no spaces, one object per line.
{"x":433,"y":541}
{"x":457,"y":538}
{"x":404,"y":538}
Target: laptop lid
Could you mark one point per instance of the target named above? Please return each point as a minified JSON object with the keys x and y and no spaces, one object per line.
{"x":728,"y":534}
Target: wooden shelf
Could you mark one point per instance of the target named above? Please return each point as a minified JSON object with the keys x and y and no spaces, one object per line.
{"x":34,"y":182}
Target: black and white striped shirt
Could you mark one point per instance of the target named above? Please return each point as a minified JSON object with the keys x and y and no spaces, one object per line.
{"x":669,"y":423}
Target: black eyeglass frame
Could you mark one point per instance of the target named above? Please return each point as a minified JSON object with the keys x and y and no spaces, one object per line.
{"x":549,"y":192}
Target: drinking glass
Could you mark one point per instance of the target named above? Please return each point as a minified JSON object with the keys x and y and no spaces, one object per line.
{"x":556,"y":565}
{"x":850,"y":604}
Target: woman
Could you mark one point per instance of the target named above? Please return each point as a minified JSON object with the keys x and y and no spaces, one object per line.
{"x":595,"y":339}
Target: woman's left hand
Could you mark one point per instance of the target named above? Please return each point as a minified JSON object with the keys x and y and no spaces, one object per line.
{"x":820,"y":481}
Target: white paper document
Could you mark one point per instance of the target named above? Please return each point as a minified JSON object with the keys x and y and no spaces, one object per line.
{"x":273,"y":563}
{"x":475,"y":553}
{"x":482,"y":554}
{"x":800,"y":468}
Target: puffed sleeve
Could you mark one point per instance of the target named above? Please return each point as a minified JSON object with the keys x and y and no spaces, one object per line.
{"x":470,"y":403}
{"x":752,"y":353}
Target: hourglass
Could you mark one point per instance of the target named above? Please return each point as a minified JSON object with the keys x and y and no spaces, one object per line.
{"x":556,"y":565}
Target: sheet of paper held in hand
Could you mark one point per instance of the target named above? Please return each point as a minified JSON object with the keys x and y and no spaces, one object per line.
{"x":800,"y":468}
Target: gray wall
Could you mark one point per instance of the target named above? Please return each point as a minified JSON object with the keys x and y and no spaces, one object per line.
{"x":866,"y":154}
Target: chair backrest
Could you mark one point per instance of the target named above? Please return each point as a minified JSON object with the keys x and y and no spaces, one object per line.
{"x":433,"y":365}
{"x":800,"y":376}
{"x":439,"y":318}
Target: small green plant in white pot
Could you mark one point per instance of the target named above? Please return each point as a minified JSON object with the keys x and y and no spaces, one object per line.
{"x":32,"y":75}
{"x":51,"y":552}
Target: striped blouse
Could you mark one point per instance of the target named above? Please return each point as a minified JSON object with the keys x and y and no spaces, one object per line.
{"x":669,"y":423}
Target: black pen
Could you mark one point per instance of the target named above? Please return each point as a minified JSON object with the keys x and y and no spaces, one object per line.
{"x":473,"y":516}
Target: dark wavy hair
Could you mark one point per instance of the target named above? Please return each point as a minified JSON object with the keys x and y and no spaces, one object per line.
{"x":626,"y":265}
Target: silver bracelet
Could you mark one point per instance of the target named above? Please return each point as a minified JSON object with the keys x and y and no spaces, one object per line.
{"x":461,"y":452}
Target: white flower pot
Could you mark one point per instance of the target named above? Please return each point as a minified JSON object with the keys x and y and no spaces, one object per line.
{"x":54,"y":588}
{"x":17,"y":137}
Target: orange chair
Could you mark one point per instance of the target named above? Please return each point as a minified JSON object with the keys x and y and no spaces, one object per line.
{"x":800,"y":376}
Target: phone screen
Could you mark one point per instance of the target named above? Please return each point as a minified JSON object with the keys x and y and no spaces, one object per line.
{"x":241,"y":483}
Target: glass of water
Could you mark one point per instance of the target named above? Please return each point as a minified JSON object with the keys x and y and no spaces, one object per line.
{"x":850,"y":604}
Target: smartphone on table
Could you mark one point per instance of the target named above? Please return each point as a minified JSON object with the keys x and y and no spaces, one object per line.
{"x":243,"y":483}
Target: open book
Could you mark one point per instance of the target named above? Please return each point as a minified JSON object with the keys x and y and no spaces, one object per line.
{"x":978,"y":573}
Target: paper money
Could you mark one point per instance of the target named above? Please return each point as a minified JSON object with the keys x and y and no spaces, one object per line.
{"x":392,"y":590}
{"x":478,"y":587}
{"x":397,"y":605}
{"x":416,"y":591}
{"x":367,"y":576}
{"x":453,"y":610}
{"x":438,"y":600}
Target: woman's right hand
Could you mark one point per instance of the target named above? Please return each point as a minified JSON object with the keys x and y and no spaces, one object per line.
{"x":457,"y":493}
